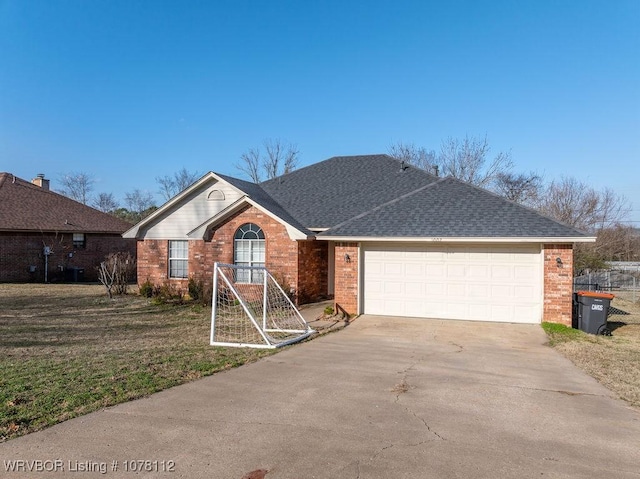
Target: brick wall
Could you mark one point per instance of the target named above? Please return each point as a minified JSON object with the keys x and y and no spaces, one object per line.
{"x":558,"y":283}
{"x":346,"y":278}
{"x":291,"y":262}
{"x":313,"y":270}
{"x":22,"y":252}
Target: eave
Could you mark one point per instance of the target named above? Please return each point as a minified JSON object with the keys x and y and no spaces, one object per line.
{"x":460,"y":239}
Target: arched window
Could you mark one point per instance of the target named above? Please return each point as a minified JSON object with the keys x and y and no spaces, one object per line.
{"x":248,"y":250}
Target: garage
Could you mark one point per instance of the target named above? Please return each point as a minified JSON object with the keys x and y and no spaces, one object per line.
{"x":457,"y":281}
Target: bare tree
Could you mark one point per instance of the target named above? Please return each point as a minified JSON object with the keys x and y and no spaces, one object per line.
{"x":619,"y":243}
{"x":468,"y":160}
{"x":116,"y":272}
{"x":415,"y":155}
{"x":105,"y":202}
{"x":278,"y":158}
{"x":581,"y":206}
{"x":251,"y":164}
{"x":138,"y":201}
{"x":597,"y":212}
{"x":77,"y":186}
{"x":172,"y":185}
{"x":522,"y":188}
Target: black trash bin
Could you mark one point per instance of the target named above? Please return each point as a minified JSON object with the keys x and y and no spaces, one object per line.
{"x":590,"y":311}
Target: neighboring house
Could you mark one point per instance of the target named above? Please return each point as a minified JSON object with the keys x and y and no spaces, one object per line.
{"x":377,"y":235}
{"x":47,"y":236}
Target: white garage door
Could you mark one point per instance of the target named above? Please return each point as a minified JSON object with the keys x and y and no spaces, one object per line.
{"x":485,"y":283}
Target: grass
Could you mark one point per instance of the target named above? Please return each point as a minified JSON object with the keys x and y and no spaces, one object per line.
{"x":613,"y":360}
{"x":66,"y":350}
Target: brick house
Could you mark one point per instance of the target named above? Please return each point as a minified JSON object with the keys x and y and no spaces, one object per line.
{"x":377,"y":235}
{"x":45,"y":236}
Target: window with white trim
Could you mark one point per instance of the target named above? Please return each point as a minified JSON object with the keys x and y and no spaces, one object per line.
{"x":249,"y":250}
{"x":79,"y":241}
{"x":178,"y":259}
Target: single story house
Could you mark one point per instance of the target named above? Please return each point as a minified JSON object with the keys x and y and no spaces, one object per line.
{"x":378,"y":235}
{"x":45,"y":236}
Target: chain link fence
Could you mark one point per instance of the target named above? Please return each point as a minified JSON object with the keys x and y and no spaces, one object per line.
{"x":623,"y":277}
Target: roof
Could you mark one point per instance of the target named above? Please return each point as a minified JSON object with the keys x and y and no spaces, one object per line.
{"x":450,"y":208}
{"x":324,"y":194}
{"x":27,"y":207}
{"x":257,"y":194}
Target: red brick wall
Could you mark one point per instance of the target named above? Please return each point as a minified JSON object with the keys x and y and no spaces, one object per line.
{"x":558,"y":283}
{"x":346,"y":278}
{"x":20,"y":251}
{"x":289,"y":261}
{"x":313,"y":270}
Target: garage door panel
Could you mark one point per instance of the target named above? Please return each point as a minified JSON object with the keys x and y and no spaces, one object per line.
{"x":456,"y":270}
{"x":477,"y":282}
{"x":392,"y":288}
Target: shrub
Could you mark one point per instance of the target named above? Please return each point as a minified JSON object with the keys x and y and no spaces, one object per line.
{"x":196,"y":289}
{"x":116,"y":271}
{"x":146,"y":289}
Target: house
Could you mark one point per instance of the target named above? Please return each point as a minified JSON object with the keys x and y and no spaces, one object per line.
{"x":379,"y":236}
{"x":45,"y":236}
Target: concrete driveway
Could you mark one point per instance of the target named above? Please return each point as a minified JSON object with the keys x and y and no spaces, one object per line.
{"x":383,"y":398}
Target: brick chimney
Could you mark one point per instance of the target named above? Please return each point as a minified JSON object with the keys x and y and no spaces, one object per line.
{"x":40,"y":181}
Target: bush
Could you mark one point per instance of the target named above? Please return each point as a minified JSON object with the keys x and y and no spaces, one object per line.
{"x":328,"y":311}
{"x":196,"y":289}
{"x":146,"y":289}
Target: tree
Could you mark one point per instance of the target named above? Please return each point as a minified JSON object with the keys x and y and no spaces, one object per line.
{"x":278,"y":158}
{"x":139,"y":203}
{"x":77,"y":186}
{"x":521,"y":188}
{"x":172,"y":185}
{"x":468,"y":160}
{"x":585,"y":208}
{"x":105,"y":202}
{"x":581,"y":206}
{"x":415,"y":155}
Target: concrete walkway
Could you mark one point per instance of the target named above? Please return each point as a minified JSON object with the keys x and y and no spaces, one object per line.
{"x":383,"y":398}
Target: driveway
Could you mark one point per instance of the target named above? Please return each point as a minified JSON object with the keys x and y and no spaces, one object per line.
{"x":383,"y":398}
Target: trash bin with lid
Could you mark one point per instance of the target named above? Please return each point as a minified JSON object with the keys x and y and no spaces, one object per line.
{"x":591,"y":311}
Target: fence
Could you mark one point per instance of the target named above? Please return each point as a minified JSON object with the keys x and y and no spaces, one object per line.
{"x":610,"y":280}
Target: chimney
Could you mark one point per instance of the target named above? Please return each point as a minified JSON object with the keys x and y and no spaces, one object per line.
{"x":40,"y":181}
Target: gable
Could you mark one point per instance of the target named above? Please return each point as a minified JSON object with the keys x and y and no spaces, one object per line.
{"x":207,"y":203}
{"x":175,"y":220}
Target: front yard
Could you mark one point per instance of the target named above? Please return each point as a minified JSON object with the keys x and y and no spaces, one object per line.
{"x":612,"y":360}
{"x":66,"y":350}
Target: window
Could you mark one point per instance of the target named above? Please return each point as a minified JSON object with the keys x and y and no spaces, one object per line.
{"x":178,"y":259}
{"x":216,"y":195}
{"x":249,"y":251}
{"x":79,"y":240}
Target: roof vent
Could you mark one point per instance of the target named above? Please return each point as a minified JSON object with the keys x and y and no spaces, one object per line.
{"x":403,"y":166}
{"x":40,"y":181}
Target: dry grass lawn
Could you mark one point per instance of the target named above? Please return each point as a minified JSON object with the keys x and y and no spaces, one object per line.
{"x":66,"y":350}
{"x":614,"y":361}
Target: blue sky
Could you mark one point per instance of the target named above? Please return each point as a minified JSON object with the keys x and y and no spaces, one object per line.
{"x":130,"y":90}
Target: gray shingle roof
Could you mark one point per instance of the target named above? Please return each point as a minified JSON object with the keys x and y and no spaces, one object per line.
{"x":27,"y":207}
{"x":330,"y":192}
{"x":257,"y":194}
{"x":452,"y":208}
